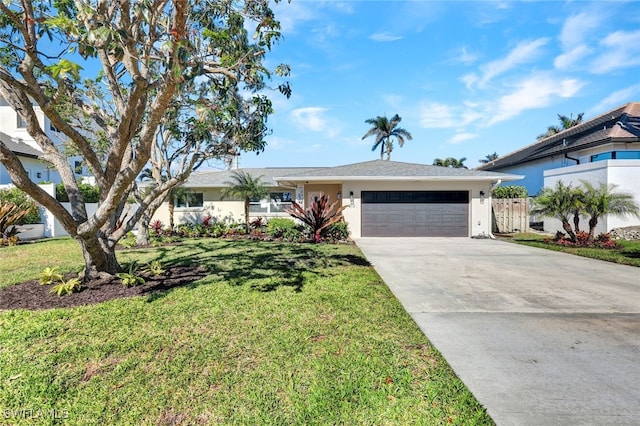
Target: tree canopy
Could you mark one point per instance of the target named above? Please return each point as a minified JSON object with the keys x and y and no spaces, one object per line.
{"x":450,"y":162}
{"x":128,"y":84}
{"x":384,"y":130}
{"x":565,"y":123}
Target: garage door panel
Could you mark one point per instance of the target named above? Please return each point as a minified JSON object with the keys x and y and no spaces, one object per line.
{"x":415,"y":213}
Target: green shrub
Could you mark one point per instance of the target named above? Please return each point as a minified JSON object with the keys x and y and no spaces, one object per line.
{"x":283,"y":228}
{"x":510,"y":191}
{"x":90,"y":193}
{"x":67,"y":287}
{"x":338,"y":231}
{"x":20,"y":198}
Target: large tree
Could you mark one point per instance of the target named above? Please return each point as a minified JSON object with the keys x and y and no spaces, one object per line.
{"x":564,"y":124}
{"x":489,"y":158}
{"x":384,"y":131}
{"x":111,"y":76}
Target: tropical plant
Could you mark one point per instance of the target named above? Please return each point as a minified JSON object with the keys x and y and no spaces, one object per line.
{"x":67,"y":287}
{"x":602,"y":200}
{"x":10,"y":216}
{"x":280,"y":227}
{"x":49,"y":276}
{"x":384,"y":130}
{"x":510,"y":191}
{"x":245,"y":187}
{"x":18,"y":197}
{"x":155,"y":267}
{"x":257,"y":223}
{"x":156,"y":226}
{"x":117,"y":75}
{"x":319,"y":216}
{"x":450,"y":162}
{"x":565,"y":123}
{"x":558,"y":202}
{"x":489,"y":158}
{"x":131,"y":278}
{"x":338,"y":231}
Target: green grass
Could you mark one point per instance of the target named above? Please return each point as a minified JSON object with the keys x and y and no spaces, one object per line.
{"x":629,"y":254}
{"x":276,"y":334}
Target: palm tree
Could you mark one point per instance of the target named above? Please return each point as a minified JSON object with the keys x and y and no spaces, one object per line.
{"x":450,"y":162}
{"x":603,"y":201}
{"x":558,"y":202}
{"x":174,"y":194}
{"x":565,"y":123}
{"x":384,"y":129}
{"x":245,"y":186}
{"x":489,"y":158}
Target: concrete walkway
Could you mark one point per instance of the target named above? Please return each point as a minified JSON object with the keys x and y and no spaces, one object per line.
{"x":539,"y":337}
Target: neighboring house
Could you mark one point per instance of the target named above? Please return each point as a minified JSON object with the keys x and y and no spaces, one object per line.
{"x":605,"y":149}
{"x":29,"y":157}
{"x":384,"y":198}
{"x":14,"y":133}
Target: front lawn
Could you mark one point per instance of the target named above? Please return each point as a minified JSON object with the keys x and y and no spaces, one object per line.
{"x":276,"y":334}
{"x":629,"y":254}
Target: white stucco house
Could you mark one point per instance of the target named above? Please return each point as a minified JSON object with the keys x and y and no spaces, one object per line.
{"x":383,"y":198}
{"x":14,"y":135}
{"x":605,"y":149}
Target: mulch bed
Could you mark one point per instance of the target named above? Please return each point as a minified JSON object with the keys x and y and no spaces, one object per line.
{"x":34,"y":296}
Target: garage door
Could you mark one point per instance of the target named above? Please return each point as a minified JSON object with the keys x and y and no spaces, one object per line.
{"x":415,"y":213}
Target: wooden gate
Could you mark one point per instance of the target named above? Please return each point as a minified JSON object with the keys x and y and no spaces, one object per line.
{"x":510,"y":214}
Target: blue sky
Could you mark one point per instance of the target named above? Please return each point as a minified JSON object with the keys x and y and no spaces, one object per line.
{"x":467,"y":78}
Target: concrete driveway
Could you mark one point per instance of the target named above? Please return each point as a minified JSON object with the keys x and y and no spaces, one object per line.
{"x":539,"y":337}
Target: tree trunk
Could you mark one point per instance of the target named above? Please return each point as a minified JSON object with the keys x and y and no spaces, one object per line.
{"x":171,"y":209}
{"x":246,"y":214}
{"x":576,"y":221}
{"x":142,"y":239}
{"x":593,"y":222}
{"x":99,"y":257}
{"x":567,"y":227}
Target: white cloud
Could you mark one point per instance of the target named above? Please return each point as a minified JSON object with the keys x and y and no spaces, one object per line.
{"x":277,"y":143}
{"x":461,"y":137}
{"x":310,"y":118}
{"x":621,"y":50}
{"x":466,"y":57}
{"x":469,"y":80}
{"x":535,"y":92}
{"x":578,"y":27}
{"x":440,"y":116}
{"x":615,"y":99}
{"x":292,"y":14}
{"x":524,"y":52}
{"x":567,"y":59}
{"x":385,"y":37}
{"x":394,"y":101}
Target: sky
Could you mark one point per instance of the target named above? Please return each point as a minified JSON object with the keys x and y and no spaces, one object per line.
{"x":468,"y":78}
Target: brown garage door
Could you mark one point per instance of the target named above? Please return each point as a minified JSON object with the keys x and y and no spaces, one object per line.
{"x":415,"y":213}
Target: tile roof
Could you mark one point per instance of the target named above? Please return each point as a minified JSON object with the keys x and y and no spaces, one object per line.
{"x":20,"y":148}
{"x":621,"y":124}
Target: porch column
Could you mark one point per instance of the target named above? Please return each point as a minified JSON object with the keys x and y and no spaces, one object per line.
{"x":300,"y":195}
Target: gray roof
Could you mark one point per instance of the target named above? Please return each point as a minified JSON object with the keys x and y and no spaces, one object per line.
{"x":19,"y":147}
{"x":220,"y":178}
{"x":619,"y":125}
{"x":393,"y":170}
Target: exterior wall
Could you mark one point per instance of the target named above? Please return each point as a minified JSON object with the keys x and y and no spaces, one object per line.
{"x":480,"y":207}
{"x":624,"y":173}
{"x":38,"y":171}
{"x":533,"y":172}
{"x":223,"y":210}
{"x":326,"y":188}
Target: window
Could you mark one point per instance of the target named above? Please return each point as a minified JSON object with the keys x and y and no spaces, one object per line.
{"x":189,"y":200}
{"x":21,"y":123}
{"x":77,"y":167}
{"x":52,"y":127}
{"x":616,"y":155}
{"x":277,"y":203}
